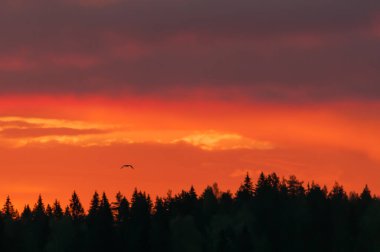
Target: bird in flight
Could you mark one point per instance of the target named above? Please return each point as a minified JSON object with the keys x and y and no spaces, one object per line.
{"x":127,"y":166}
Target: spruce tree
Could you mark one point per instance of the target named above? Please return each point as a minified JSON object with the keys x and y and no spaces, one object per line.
{"x":94,"y":206}
{"x":337,"y":193}
{"x":26,"y":214}
{"x":120,"y":208}
{"x":365,"y":196}
{"x":295,"y":187}
{"x":76,"y":209}
{"x":105,"y":211}
{"x":123,"y":211}
{"x":8,"y":210}
{"x":67,"y":213}
{"x":49,"y":211}
{"x":245,"y":191}
{"x":57,"y":210}
{"x":39,"y":209}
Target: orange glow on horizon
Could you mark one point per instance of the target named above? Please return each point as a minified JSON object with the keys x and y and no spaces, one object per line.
{"x":54,"y":145}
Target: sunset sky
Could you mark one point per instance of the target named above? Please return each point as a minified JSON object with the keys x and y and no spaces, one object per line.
{"x":190,"y":92}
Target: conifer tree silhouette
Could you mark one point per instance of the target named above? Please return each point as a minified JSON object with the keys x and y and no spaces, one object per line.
{"x":295,"y":187}
{"x":140,"y":221}
{"x":39,"y":209}
{"x":57,"y":210}
{"x":94,"y":206}
{"x":67,"y":212}
{"x":49,"y":211}
{"x":366,"y":196}
{"x":245,"y":192}
{"x":123,"y":211}
{"x":8,"y":210}
{"x":105,"y":211}
{"x":26,"y":214}
{"x":76,"y":209}
{"x":120,"y":208}
{"x":275,"y":215}
{"x":209,"y":203}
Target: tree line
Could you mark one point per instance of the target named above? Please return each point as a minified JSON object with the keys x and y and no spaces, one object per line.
{"x":273,"y":214}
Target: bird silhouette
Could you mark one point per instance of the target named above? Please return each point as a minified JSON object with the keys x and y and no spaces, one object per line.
{"x":127,"y":166}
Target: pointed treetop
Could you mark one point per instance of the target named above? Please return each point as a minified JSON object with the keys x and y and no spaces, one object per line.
{"x":192,"y":192}
{"x":76,"y":209}
{"x":105,"y":210}
{"x":337,"y":192}
{"x":39,"y":209}
{"x":49,"y":211}
{"x":366,"y":194}
{"x":119,"y":196}
{"x":8,"y":210}
{"x":104,"y":203}
{"x":122,"y":211}
{"x":26,"y":213}
{"x":67,"y":212}
{"x":57,"y":210}
{"x":94,"y":205}
{"x":245,"y":191}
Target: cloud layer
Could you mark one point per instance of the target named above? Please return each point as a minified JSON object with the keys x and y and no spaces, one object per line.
{"x":23,"y":131}
{"x":273,"y":50}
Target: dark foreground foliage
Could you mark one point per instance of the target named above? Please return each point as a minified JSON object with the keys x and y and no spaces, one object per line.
{"x":272,"y":215}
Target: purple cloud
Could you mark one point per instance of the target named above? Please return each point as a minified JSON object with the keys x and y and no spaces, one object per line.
{"x":272,"y":50}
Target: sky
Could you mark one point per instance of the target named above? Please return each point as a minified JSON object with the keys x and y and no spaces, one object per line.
{"x":190,"y":92}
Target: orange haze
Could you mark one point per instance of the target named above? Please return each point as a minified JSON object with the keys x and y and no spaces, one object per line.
{"x":54,"y":145}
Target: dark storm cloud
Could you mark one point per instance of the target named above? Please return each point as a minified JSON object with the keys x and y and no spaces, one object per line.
{"x":281,"y":50}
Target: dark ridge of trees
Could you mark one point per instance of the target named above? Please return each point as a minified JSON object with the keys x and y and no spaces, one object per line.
{"x":270,"y":214}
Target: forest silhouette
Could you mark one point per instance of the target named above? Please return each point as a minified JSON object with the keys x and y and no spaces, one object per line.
{"x":273,"y":214}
